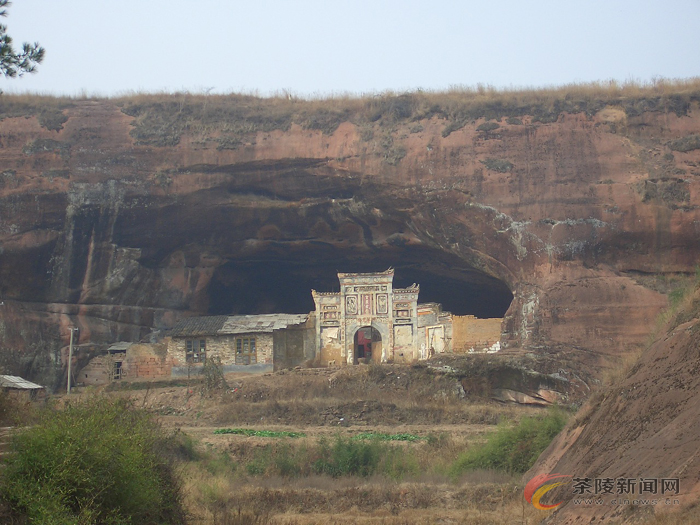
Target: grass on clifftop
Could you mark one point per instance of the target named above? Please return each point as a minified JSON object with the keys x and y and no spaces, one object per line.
{"x":229,"y":121}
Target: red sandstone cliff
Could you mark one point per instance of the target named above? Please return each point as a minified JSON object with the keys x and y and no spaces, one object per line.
{"x":118,"y":216}
{"x":643,"y":426}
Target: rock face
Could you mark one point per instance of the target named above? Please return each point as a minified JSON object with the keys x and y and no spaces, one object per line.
{"x":121,"y":216}
{"x":644,"y":426}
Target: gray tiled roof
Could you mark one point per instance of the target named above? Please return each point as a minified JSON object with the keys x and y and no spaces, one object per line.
{"x":17,"y":382}
{"x":120,"y":346}
{"x":245,"y":324}
{"x":194,"y":326}
{"x":235,"y":324}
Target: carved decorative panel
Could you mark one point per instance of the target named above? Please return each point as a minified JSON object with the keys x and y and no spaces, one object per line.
{"x":351,"y":305}
{"x":382,"y":304}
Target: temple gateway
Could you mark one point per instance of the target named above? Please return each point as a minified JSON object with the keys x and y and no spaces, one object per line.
{"x":367,"y":321}
{"x":371,"y":321}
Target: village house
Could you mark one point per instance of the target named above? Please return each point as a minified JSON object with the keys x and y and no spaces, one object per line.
{"x":367,"y":321}
{"x":236,"y":340}
{"x":21,"y":389}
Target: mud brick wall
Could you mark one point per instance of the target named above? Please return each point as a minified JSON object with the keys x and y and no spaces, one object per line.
{"x":295,"y":345}
{"x":96,"y":372}
{"x":468,"y":333}
{"x":146,"y":366}
{"x":223,"y":347}
{"x":141,"y":361}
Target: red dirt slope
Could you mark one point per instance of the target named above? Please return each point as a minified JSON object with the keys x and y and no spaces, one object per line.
{"x":645,"y":426}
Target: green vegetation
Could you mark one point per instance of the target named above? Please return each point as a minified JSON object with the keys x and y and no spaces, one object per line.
{"x":17,"y":63}
{"x":229,"y":122}
{"x":48,"y":110}
{"x":670,"y":191}
{"x":388,"y":437}
{"x":341,"y":456}
{"x":259,"y":433}
{"x":344,"y":457}
{"x":684,"y":302}
{"x":52,"y":119}
{"x":99,"y":462}
{"x":513,"y":449}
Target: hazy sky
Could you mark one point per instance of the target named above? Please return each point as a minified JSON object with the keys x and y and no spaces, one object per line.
{"x":333,"y":46}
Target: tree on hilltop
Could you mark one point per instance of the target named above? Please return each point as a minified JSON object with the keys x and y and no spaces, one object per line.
{"x":13,"y":63}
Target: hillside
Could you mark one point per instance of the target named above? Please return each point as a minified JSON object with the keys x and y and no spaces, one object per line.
{"x":570,"y":212}
{"x":645,"y":425}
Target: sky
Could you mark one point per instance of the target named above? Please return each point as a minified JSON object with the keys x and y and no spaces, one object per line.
{"x":316,"y":48}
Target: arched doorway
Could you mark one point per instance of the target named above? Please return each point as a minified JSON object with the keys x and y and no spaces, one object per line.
{"x":368,"y":345}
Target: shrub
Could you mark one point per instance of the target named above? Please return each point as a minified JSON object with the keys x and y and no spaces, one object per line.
{"x":513,"y":449}
{"x":346,"y":457}
{"x":52,"y":119}
{"x":685,"y":144}
{"x":487,"y":126}
{"x":98,"y":462}
{"x":213,"y":372}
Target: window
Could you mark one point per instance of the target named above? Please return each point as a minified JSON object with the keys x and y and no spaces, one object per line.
{"x":117,"y":371}
{"x":196,"y":350}
{"x":245,"y":351}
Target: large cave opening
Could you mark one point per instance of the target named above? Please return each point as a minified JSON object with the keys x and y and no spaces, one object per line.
{"x":281,"y":281}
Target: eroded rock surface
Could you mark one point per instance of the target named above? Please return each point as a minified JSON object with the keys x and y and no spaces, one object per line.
{"x":127,"y":218}
{"x":644,"y":426}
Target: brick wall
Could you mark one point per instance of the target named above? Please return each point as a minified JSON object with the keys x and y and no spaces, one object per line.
{"x":96,"y":372}
{"x":141,"y":361}
{"x":476,"y":335}
{"x":147,"y":361}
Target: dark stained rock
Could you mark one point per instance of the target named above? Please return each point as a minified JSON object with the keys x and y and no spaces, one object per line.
{"x":136,"y":234}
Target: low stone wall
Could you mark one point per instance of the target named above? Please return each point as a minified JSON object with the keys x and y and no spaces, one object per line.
{"x":475,"y":335}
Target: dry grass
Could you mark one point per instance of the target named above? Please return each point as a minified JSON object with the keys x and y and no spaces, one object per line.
{"x":233,"y":121}
{"x":366,"y":395}
{"x":223,"y":500}
{"x":230,"y":120}
{"x":251,"y":479}
{"x":48,"y":109}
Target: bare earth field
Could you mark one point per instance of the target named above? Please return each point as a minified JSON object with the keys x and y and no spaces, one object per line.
{"x":235,"y":478}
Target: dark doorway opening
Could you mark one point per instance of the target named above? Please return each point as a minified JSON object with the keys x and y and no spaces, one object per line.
{"x":368,"y":345}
